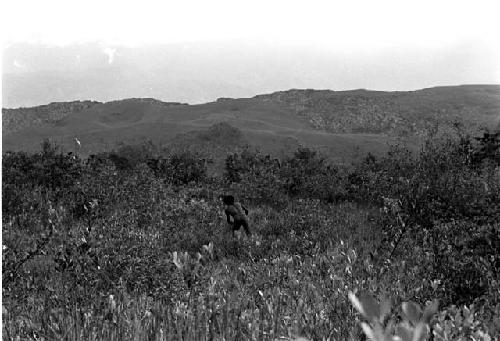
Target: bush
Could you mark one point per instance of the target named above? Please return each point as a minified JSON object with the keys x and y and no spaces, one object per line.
{"x":255,"y":177}
{"x":185,"y":167}
{"x":308,"y":175}
{"x":440,"y":200}
{"x":488,"y":148}
{"x":49,"y":170}
{"x":238,"y":165}
{"x":129,"y":156}
{"x":466,"y":260}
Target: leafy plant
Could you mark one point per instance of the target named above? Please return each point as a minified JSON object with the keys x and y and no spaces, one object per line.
{"x":415,"y":326}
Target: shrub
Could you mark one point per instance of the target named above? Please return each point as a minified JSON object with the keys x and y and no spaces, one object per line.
{"x":185,"y":167}
{"x":307,"y":174}
{"x":255,"y":177}
{"x":49,"y":168}
{"x":488,"y":148}
{"x":238,"y":164}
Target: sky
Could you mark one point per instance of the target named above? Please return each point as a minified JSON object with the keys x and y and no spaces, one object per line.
{"x":364,"y":31}
{"x":336,"y":24}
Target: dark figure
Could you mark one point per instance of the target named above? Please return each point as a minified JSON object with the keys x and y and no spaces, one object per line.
{"x":238,"y":212}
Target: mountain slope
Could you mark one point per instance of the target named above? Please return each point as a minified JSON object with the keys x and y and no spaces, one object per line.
{"x":399,"y":113}
{"x":344,"y":124}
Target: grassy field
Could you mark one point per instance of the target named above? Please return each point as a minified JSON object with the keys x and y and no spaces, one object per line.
{"x":122,"y":249}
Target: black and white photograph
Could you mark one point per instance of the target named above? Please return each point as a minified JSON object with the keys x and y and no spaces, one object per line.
{"x":231,"y":170}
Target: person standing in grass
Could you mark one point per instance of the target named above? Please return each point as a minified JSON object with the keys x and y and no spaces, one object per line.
{"x":237,"y":212}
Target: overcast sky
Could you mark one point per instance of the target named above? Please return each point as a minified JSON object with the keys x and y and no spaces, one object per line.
{"x":386,"y":35}
{"x":336,"y":24}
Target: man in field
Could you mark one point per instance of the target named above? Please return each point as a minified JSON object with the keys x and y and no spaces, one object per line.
{"x":238,"y":212}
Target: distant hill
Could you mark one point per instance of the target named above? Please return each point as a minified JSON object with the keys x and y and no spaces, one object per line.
{"x":394,"y":113}
{"x":343,"y":124}
{"x":17,"y":119}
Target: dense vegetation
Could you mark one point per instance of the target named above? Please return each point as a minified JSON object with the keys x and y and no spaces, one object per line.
{"x":132,"y":244}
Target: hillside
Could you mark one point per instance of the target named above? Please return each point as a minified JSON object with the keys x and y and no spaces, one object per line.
{"x":344,"y":124}
{"x":17,"y":119}
{"x":400,"y":113}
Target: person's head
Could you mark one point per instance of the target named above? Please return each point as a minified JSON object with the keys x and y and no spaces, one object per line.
{"x":228,"y":200}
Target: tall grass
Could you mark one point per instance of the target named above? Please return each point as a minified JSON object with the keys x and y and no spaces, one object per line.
{"x":108,"y":254}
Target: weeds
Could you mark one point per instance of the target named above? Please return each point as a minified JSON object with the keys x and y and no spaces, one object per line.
{"x":145,"y":253}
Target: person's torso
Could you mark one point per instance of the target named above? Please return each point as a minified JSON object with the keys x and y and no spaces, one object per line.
{"x":236,"y":211}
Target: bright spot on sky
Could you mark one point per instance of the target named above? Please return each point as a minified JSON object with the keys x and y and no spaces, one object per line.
{"x":18,"y":65}
{"x":110,"y":53}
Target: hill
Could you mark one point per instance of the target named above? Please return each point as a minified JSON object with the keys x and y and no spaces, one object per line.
{"x":18,"y":119}
{"x":344,"y":124}
{"x":400,"y":113}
